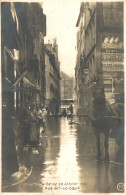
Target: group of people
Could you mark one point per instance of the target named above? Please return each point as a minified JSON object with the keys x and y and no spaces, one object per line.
{"x":68,"y":112}
{"x":35,"y":119}
{"x":24,"y":129}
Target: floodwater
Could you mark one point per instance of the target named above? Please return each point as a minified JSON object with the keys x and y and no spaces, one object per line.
{"x":66,"y":162}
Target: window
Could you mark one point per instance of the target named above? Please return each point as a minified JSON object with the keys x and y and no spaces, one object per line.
{"x":108,"y":85}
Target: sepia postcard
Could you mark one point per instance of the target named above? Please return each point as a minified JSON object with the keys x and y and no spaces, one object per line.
{"x":62,"y":97}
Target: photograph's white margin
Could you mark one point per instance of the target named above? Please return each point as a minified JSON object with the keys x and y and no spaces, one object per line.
{"x":56,"y":1}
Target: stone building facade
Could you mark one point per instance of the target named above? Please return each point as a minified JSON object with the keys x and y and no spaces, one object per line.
{"x":32,"y":31}
{"x":23,"y":52}
{"x":10,"y":46}
{"x":52,"y":78}
{"x":67,"y":90}
{"x":23,"y":28}
{"x":67,"y":86}
{"x":100,"y":52}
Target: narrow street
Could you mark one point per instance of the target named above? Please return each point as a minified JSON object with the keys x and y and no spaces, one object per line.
{"x":66,"y":162}
{"x":62,"y":88}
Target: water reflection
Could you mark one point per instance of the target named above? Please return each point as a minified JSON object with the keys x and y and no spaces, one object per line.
{"x":65,"y":169}
{"x":66,"y":162}
{"x":97,"y":176}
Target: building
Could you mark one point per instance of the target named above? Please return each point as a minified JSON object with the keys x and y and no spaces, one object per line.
{"x":23,"y":28}
{"x":52,"y":78}
{"x":100,"y":53}
{"x":67,"y":90}
{"x":10,"y":46}
{"x":23,"y":52}
{"x":32,"y":30}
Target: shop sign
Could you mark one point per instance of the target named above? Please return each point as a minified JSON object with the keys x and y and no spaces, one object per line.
{"x":113,"y":57}
{"x":113,"y":50}
{"x":117,"y":46}
{"x":113,"y":67}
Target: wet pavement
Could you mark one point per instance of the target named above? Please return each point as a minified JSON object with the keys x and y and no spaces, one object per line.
{"x":66,"y":162}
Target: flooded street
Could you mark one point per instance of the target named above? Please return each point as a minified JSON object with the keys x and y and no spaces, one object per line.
{"x":63,"y":97}
{"x":66,"y":162}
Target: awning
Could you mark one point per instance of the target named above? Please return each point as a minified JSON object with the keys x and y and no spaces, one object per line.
{"x":28,"y":83}
{"x":19,"y":78}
